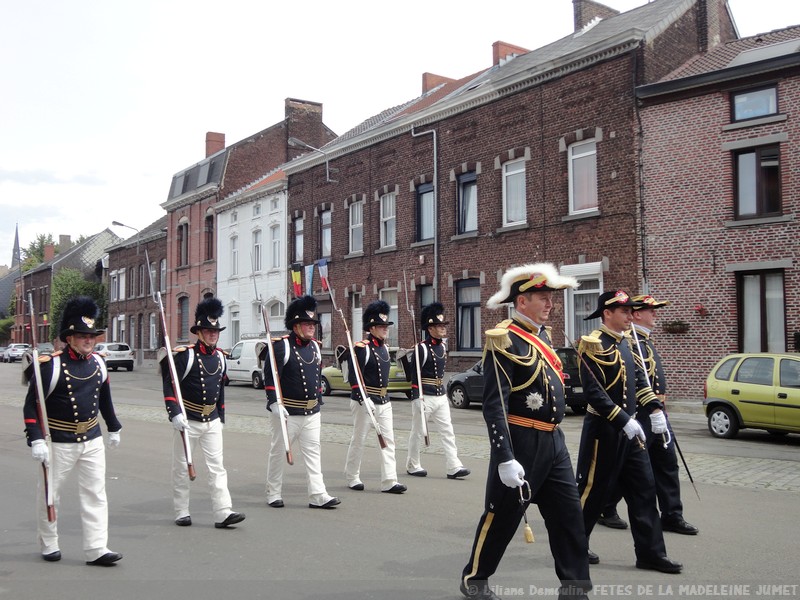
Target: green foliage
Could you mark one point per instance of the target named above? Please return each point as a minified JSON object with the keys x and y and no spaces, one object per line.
{"x":5,"y":329}
{"x":67,"y":284}
{"x":33,"y":255}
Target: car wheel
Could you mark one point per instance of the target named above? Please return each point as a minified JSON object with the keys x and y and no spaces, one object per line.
{"x":129,"y":367}
{"x":257,"y":383}
{"x":578,"y":409}
{"x":326,"y":386}
{"x":722,"y":422}
{"x":458,"y":396}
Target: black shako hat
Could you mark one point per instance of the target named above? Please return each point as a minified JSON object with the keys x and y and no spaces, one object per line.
{"x":78,"y":317}
{"x":207,"y":314}
{"x":433,"y":314}
{"x":611,"y":300}
{"x":299,"y":310}
{"x":376,"y":313}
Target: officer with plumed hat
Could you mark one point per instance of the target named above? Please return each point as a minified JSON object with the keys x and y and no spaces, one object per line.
{"x":431,"y":402}
{"x":77,"y":393}
{"x":372,"y":359}
{"x":298,"y":362}
{"x":201,"y":368}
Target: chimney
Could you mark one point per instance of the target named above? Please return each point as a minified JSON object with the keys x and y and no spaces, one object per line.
{"x":502,"y":51}
{"x":64,"y":243}
{"x":430,"y":81}
{"x":49,"y":252}
{"x":585,"y":11}
{"x":214,"y":143}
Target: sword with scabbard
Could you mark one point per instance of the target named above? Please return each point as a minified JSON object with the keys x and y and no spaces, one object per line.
{"x":418,"y":368}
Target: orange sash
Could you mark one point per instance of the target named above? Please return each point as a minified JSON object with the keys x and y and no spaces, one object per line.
{"x":544,"y":350}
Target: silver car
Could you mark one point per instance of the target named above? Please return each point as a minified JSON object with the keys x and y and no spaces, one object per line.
{"x":15,"y":351}
{"x":116,"y":355}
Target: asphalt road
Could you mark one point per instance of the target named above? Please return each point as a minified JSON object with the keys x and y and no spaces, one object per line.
{"x":375,"y":545}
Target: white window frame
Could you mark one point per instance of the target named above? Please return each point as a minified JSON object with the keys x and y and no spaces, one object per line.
{"x":582,"y":153}
{"x":511,"y":169}
{"x":257,"y":246}
{"x":581,"y":272}
{"x":389,"y":220}
{"x":163,"y":275}
{"x":356,"y":212}
{"x":275,"y":243}
{"x":234,"y":242}
{"x":299,"y":238}
{"x":153,"y":331}
{"x":391,"y":297}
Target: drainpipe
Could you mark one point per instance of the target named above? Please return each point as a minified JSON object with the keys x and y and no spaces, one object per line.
{"x":435,"y":209}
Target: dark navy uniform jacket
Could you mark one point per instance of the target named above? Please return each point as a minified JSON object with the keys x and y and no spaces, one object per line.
{"x":373,"y":358}
{"x":299,"y":364}
{"x":201,"y":370}
{"x":433,"y":360}
{"x":652,"y":363}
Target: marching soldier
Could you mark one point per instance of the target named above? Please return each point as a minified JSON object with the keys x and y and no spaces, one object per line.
{"x":611,"y":449}
{"x":523,"y":405}
{"x":299,"y":363}
{"x":432,"y":353}
{"x":201,"y":368}
{"x":372,"y":359}
{"x":77,"y":392}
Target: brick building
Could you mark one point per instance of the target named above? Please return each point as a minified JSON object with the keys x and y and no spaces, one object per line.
{"x":535,"y":158}
{"x":194,"y":192}
{"x":722,"y":195}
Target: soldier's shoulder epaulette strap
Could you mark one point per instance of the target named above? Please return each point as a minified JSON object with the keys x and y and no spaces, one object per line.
{"x":225,"y":353}
{"x":362,"y":344}
{"x":497,"y":339}
{"x":590,"y":344}
{"x":280,"y":338}
{"x":503,"y":324}
{"x":56,"y":353}
{"x":182,"y":348}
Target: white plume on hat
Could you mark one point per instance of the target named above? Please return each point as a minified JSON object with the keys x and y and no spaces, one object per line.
{"x":551,"y":280}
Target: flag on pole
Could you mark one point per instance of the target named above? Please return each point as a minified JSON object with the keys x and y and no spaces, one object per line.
{"x":296,"y":277}
{"x":309,"y":279}
{"x":323,"y":274}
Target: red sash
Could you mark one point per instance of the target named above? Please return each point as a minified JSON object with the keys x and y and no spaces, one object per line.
{"x":544,"y":349}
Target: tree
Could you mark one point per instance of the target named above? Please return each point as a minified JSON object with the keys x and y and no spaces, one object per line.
{"x":67,"y":284}
{"x":33,"y":255}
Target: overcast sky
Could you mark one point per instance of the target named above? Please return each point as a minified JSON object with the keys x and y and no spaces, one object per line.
{"x":103,"y":101}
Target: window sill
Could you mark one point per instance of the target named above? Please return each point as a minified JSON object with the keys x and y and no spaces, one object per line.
{"x":471,"y":235}
{"x":761,"y":221}
{"x":467,"y":353}
{"x":422,"y":243}
{"x":354,"y":255}
{"x":754,"y":122}
{"x":510,"y":228}
{"x":386,"y":249}
{"x":589,"y":214}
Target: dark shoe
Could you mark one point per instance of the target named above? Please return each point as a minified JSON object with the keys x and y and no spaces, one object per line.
{"x":184,"y":521}
{"x":660,"y":563}
{"x":481,"y":591}
{"x":593,"y":558}
{"x":614,"y":521}
{"x":53,"y":556}
{"x":679,"y":526}
{"x":231,"y":519}
{"x":397,"y":488}
{"x":276,"y":503}
{"x":420,"y":473}
{"x":107,"y":560}
{"x":358,"y":487}
{"x":332,"y":503}
{"x":462,"y":472}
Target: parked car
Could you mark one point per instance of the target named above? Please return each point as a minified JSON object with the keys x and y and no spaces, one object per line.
{"x":2,"y":352}
{"x":758,"y":390}
{"x":14,"y":352}
{"x":467,"y":387}
{"x":45,"y":348}
{"x":116,"y":355}
{"x":244,"y":365}
{"x":334,"y":380}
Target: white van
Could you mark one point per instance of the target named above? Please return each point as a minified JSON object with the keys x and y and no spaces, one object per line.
{"x":244,"y":365}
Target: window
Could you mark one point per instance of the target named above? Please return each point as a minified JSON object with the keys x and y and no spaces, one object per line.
{"x":388,"y":221}
{"x":357,"y":227}
{"x":235,"y":328}
{"x":789,"y":373}
{"x":120,"y":334}
{"x":121,"y":287}
{"x":234,"y":256}
{"x":131,"y":282}
{"x":153,"y":332}
{"x":209,"y":234}
{"x":257,"y":250}
{"x":390,"y":297}
{"x":467,"y":203}
{"x":256,"y":210}
{"x":582,"y":176}
{"x":183,"y":244}
{"x":151,"y":279}
{"x":756,"y":370}
{"x":514,"y":193}
{"x":761,"y":312}
{"x":581,"y":302}
{"x":356,"y":311}
{"x":234,"y":217}
{"x":114,"y":287}
{"x":325,"y":330}
{"x":275,"y":243}
{"x":468,"y":313}
{"x":183,"y":318}
{"x":163,"y":276}
{"x":325,"y":223}
{"x":758,"y":190}
{"x":298,"y":240}
{"x":274,"y":203}
{"x":754,"y":103}
{"x":141,"y":280}
{"x":425,"y":213}
{"x":276,"y":309}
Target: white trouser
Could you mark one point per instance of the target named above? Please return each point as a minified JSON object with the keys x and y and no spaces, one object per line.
{"x":437,"y":411}
{"x":304,"y":429}
{"x":89,"y":459}
{"x":209,"y":437}
{"x":362,"y":425}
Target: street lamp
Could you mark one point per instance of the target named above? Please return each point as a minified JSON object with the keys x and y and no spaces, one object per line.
{"x":295,"y":143}
{"x":138,"y":233}
{"x":140,"y":350}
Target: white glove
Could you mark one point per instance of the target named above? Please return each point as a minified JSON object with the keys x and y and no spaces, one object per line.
{"x":40,"y":452}
{"x":658,"y":422}
{"x":280,"y":410}
{"x":113,"y":439}
{"x":632,"y":429}
{"x":511,"y":473}
{"x":369,"y":404}
{"x":179,"y":422}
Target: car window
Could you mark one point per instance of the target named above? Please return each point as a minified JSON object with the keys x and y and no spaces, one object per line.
{"x":724,"y":371}
{"x":756,"y":370}
{"x":237,"y":351}
{"x":790,"y":373}
{"x":569,"y":358}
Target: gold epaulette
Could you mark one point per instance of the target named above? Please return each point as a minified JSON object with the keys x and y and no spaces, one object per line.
{"x":183,"y":348}
{"x":43,"y":358}
{"x":503,"y":324}
{"x":57,"y":353}
{"x":225,"y":353}
{"x":362,"y":343}
{"x":590,"y":344}
{"x":497,"y":338}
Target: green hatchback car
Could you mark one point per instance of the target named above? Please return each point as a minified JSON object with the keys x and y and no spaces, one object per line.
{"x":334,"y":381}
{"x":758,"y":390}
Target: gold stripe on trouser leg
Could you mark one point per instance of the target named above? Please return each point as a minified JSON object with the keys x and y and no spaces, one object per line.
{"x":479,"y":545}
{"x":590,"y":476}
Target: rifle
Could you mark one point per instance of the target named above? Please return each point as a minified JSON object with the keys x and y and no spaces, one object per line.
{"x":275,"y":379}
{"x":356,"y":367}
{"x":418,"y":367}
{"x":173,"y":372}
{"x":42,"y":411}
